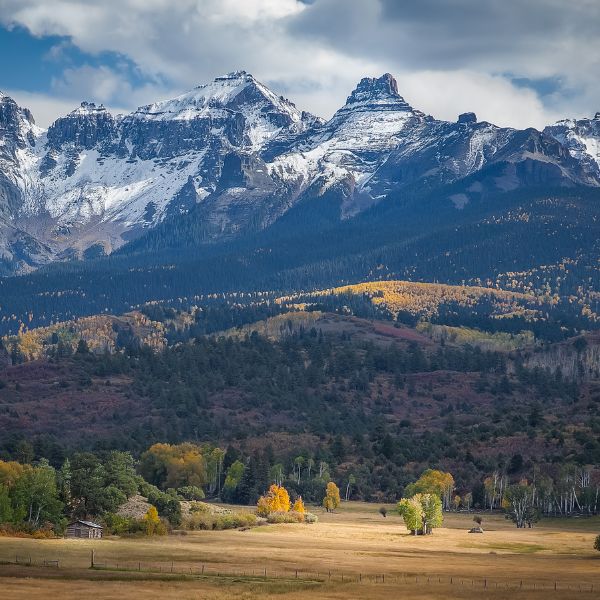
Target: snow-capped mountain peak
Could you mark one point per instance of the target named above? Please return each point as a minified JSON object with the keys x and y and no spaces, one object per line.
{"x":377,"y":93}
{"x":89,"y":108}
{"x":240,"y":156}
{"x":580,"y":136}
{"x":259,"y":114}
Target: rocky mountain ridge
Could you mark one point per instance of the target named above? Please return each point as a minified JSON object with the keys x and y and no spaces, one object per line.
{"x":240,"y":157}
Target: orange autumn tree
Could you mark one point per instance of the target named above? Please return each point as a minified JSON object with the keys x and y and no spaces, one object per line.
{"x":299,"y":506}
{"x":276,"y":499}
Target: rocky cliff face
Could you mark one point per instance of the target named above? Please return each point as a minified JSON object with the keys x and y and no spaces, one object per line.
{"x":580,"y":137}
{"x":241,"y":156}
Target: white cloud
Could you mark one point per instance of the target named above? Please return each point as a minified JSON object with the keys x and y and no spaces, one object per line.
{"x":449,"y":57}
{"x":446,"y":94}
{"x":45,"y":108}
{"x":106,"y":85}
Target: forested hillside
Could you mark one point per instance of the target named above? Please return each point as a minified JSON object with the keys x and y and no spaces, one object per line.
{"x":367,"y":398}
{"x":542,"y":243}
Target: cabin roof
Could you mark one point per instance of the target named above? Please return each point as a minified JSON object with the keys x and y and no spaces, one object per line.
{"x":88,"y":523}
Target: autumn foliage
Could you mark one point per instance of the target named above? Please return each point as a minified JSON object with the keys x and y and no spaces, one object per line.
{"x":299,"y":506}
{"x":435,"y":482}
{"x":152,"y":523}
{"x":332,"y":497}
{"x":276,"y":499}
{"x":171,"y":466}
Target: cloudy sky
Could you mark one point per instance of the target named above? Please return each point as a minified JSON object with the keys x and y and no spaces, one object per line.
{"x":514,"y":62}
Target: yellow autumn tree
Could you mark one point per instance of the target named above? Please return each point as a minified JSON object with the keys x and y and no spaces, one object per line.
{"x":276,"y":499}
{"x":166,"y":465}
{"x":152,"y":522}
{"x":332,"y":497}
{"x":436,"y":482}
{"x":10,"y":473}
{"x":299,"y":506}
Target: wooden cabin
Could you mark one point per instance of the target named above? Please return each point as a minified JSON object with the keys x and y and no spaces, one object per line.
{"x":84,"y":529}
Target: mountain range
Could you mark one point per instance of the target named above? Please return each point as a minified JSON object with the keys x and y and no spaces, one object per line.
{"x":232,"y":158}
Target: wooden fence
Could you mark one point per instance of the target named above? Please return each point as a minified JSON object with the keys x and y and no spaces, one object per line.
{"x":200,"y":571}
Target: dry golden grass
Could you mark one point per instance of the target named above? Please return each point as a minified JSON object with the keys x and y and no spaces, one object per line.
{"x":354,"y":543}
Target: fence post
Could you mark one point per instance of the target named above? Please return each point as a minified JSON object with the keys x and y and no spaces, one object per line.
{"x":93,"y":552}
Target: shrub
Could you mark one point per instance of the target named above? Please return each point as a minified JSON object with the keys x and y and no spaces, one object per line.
{"x":597,"y":543}
{"x":199,"y":507}
{"x":191,"y":492}
{"x":290,"y":516}
{"x":146,"y":489}
{"x":117,"y":525}
{"x":207,"y":521}
{"x":22,"y":531}
{"x":168,"y":506}
{"x":383,"y":511}
{"x":235,"y":520}
{"x":200,"y":521}
{"x":310,"y":518}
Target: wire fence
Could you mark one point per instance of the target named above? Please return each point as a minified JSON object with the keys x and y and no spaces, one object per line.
{"x":189,"y":570}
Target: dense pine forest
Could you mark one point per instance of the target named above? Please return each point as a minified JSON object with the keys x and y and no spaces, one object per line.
{"x":372,"y":407}
{"x":410,"y":238}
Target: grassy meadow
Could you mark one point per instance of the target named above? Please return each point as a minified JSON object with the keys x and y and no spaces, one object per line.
{"x":353,"y":553}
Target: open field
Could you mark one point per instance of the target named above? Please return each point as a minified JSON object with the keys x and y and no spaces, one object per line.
{"x":357,"y":545}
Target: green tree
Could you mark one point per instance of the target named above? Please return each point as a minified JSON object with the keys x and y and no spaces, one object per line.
{"x":35,"y":496}
{"x":421,"y":513}
{"x":411,"y":511}
{"x":120,"y":472}
{"x":432,"y":512}
{"x":233,"y":479}
{"x":87,"y":484}
{"x":6,"y":511}
{"x":82,"y":347}
{"x":63,"y":481}
{"x":518,"y":503}
{"x":168,"y":505}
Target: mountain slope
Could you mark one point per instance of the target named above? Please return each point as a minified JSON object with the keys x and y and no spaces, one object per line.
{"x":231,"y":158}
